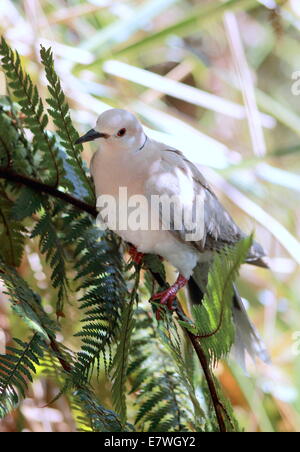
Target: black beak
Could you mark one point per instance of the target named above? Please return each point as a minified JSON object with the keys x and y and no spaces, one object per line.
{"x":91,"y":135}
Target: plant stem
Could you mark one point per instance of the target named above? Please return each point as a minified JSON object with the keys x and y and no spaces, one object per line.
{"x":218,"y":406}
{"x":48,"y":189}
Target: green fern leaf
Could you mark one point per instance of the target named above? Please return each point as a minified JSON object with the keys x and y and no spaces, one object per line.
{"x":173,"y":344}
{"x":120,"y":362}
{"x":162,"y":398}
{"x":59,"y":110}
{"x":213,"y":318}
{"x":16,"y":369}
{"x":28,"y":203}
{"x":99,"y":267}
{"x":15,"y":150}
{"x":26,"y":303}
{"x":94,"y":417}
{"x":52,"y":246}
{"x":32,"y":108}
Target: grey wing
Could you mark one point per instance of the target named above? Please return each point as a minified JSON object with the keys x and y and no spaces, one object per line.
{"x":219,"y":228}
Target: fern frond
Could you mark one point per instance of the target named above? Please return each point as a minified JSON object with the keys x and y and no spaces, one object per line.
{"x":59,"y":111}
{"x":92,"y":416}
{"x":26,"y":303}
{"x":32,"y":107}
{"x":16,"y":369}
{"x":53,"y":248}
{"x":89,"y":415}
{"x":99,"y":273}
{"x":120,"y":362}
{"x":28,"y":203}
{"x":161,"y":396}
{"x":213,"y":318}
{"x":15,"y":150}
{"x":174,"y":346}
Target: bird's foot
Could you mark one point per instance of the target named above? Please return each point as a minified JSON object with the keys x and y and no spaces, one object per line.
{"x":168,"y":296}
{"x":136,"y":256}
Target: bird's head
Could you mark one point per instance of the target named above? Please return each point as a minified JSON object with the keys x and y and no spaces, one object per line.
{"x":116,"y":128}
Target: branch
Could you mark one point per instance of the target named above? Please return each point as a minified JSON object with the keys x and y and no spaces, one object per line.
{"x":39,"y":186}
{"x":44,"y":188}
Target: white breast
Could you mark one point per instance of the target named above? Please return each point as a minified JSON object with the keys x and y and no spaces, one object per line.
{"x":110,"y":172}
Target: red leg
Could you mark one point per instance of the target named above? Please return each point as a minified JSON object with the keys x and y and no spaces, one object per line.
{"x":168,"y":296}
{"x":135,"y":255}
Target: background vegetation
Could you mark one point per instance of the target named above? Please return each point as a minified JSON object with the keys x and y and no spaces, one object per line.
{"x":215,"y":80}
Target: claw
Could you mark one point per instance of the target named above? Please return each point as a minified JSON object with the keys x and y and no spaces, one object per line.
{"x":168,"y":296}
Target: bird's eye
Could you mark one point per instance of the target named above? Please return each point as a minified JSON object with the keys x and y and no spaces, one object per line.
{"x":121,"y":132}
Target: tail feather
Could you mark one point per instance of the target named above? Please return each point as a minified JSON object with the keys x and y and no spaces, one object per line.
{"x":247,"y":338}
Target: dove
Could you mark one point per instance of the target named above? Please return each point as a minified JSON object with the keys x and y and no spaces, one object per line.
{"x":127,"y":158}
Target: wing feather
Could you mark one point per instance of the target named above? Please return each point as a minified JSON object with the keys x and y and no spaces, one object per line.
{"x":176,"y":175}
